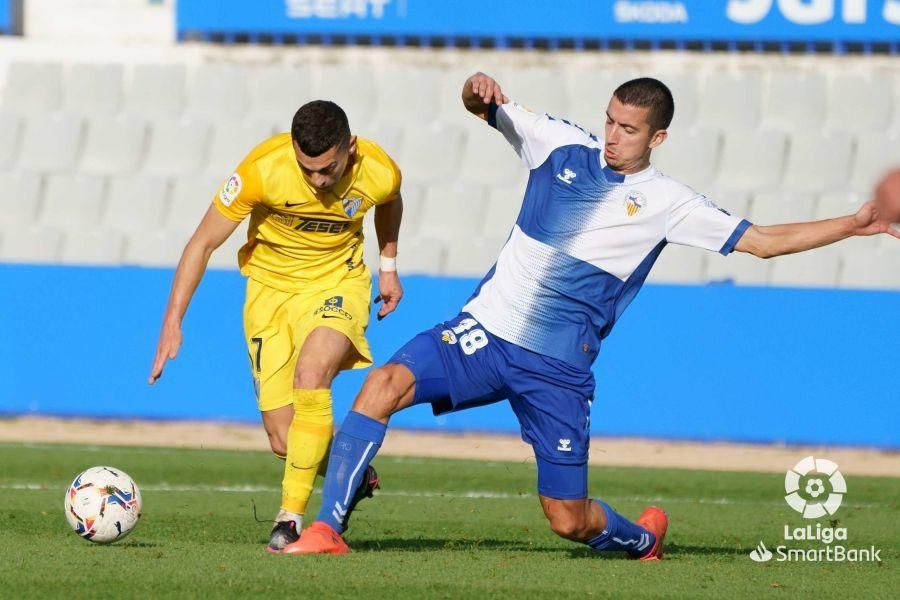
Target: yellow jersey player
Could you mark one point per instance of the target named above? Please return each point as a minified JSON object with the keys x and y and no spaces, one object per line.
{"x":308,"y":290}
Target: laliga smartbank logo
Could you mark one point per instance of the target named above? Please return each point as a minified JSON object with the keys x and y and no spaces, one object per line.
{"x":815,"y":488}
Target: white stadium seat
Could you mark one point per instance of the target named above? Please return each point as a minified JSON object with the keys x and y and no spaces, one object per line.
{"x":219,"y":93}
{"x":807,"y":269}
{"x":751,"y":160}
{"x":29,"y":245}
{"x":738,"y":267}
{"x":95,"y":247}
{"x":869,"y":264}
{"x":419,"y":256}
{"x":590,"y":90}
{"x":875,"y":154}
{"x":93,"y":91}
{"x":685,"y":93}
{"x":353,"y":89}
{"x":144,"y":99}
{"x":20,"y":197}
{"x":777,"y":207}
{"x":678,"y":264}
{"x":50,"y":145}
{"x":32,"y":89}
{"x":817,"y":163}
{"x":156,"y":248}
{"x":488,"y":159}
{"x":472,"y":258}
{"x":408,"y":94}
{"x":177,"y":148}
{"x":225,"y":256}
{"x":277,"y":92}
{"x":73,"y":202}
{"x":232,"y":142}
{"x":731,"y":101}
{"x":10,"y":134}
{"x":191,"y":197}
{"x":542,"y":89}
{"x":389,"y":136}
{"x":837,"y":204}
{"x":503,"y":206}
{"x":453,"y":213}
{"x":859,"y":104}
{"x":113,"y":147}
{"x":136,"y":203}
{"x":795,"y":100}
{"x":432,"y":154}
{"x":690,"y":157}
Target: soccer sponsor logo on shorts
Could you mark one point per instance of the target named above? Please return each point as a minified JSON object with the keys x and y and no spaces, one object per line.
{"x":333,"y":308}
{"x":230,"y":190}
{"x":565,"y":445}
{"x":635,"y":202}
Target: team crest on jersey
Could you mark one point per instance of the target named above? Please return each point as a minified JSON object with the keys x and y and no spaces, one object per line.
{"x":634,"y":203}
{"x":351,"y":206}
{"x":230,"y":190}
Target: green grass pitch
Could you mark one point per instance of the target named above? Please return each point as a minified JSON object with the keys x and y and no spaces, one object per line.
{"x":440,"y":528}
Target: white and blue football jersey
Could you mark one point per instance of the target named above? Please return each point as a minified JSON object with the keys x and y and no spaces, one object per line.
{"x":585,"y":239}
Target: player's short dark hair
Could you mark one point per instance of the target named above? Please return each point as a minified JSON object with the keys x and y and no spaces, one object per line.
{"x":647,"y":92}
{"x":320,"y":125}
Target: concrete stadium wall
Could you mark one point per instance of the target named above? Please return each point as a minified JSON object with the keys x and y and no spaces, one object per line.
{"x":685,"y":362}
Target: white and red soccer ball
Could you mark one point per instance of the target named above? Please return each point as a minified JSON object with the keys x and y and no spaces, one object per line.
{"x":103,"y":504}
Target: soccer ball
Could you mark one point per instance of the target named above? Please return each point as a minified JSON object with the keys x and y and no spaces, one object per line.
{"x":103,"y":504}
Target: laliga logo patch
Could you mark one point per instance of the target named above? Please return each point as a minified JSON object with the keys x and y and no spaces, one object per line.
{"x":230,"y":190}
{"x":816,"y":471}
{"x":634,"y":203}
{"x":351,"y":206}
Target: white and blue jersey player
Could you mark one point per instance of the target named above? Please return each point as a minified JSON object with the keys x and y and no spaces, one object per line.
{"x":595,"y":217}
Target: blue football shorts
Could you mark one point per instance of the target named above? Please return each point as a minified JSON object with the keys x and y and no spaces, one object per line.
{"x":458,"y":364}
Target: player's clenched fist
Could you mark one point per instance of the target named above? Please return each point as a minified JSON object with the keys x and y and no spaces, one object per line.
{"x":167,"y":349}
{"x":480,"y":91}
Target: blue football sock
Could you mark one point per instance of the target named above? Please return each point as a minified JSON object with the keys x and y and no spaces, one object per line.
{"x":354,"y":447}
{"x":622,"y":534}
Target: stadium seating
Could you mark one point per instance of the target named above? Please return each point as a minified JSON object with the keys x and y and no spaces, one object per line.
{"x":98,"y":167}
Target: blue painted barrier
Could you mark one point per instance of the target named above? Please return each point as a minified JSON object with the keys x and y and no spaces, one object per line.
{"x":685,"y":362}
{"x":575,"y":21}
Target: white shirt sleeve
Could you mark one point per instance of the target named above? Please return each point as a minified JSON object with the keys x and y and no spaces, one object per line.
{"x":697,"y":221}
{"x":535,"y":136}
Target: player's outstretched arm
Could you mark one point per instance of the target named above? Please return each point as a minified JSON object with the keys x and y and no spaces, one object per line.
{"x":387,"y":228}
{"x":777,"y":240}
{"x":213,"y":230}
{"x":479,"y":92}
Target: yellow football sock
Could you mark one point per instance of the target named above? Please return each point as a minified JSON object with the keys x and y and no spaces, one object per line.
{"x":309,"y":439}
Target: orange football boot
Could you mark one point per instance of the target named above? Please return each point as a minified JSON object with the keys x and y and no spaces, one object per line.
{"x":656,"y":521}
{"x":318,"y":538}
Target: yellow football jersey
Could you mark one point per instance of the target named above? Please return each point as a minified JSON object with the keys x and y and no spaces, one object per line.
{"x":296,"y":236}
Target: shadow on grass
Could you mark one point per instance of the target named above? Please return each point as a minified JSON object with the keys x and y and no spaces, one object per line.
{"x":444,"y":545}
{"x":455,"y":545}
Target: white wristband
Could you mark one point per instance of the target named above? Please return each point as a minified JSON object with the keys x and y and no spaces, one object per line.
{"x":386,"y":264}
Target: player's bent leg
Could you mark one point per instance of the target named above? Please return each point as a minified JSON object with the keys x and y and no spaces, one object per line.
{"x":576,"y":520}
{"x":574,"y":516}
{"x":277,"y":422}
{"x":387,"y":390}
{"x":311,"y":428}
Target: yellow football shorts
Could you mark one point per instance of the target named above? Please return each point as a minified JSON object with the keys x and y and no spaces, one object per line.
{"x":277,"y":323}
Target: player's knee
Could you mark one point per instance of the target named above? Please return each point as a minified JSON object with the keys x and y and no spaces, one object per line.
{"x":313,"y":377}
{"x":381,"y":393}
